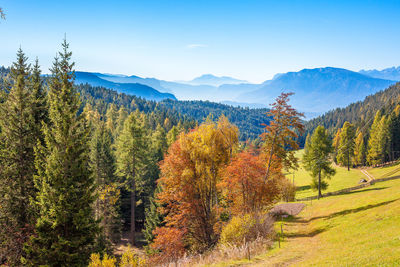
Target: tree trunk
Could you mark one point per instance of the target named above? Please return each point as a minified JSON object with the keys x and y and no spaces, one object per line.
{"x":133,"y":206}
{"x":319,"y":185}
{"x":348,"y":161}
{"x":270,"y":158}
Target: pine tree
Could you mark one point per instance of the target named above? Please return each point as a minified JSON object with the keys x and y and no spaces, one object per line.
{"x":346,"y":146}
{"x":172,"y":135}
{"x":40,"y":112}
{"x":336,"y":144}
{"x":102,"y":164}
{"x":317,"y":159}
{"x":131,"y":161}
{"x":379,"y":140}
{"x":112,"y":118}
{"x":122,"y":116}
{"x":17,"y":162}
{"x":65,"y":230}
{"x":360,"y":150}
{"x":153,"y":217}
{"x":394,"y":129}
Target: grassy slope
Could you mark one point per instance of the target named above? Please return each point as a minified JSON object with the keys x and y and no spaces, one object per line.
{"x":341,"y":180}
{"x":360,"y":228}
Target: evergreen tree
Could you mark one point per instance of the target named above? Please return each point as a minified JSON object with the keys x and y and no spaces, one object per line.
{"x":336,"y":144}
{"x":394,"y":129}
{"x":153,"y":217}
{"x":112,"y":118}
{"x":346,"y":147}
{"x":360,"y":150}
{"x":65,"y":230}
{"x":379,"y":140}
{"x":317,"y":159}
{"x":122,"y":116}
{"x":17,"y":162}
{"x":131,"y":161}
{"x":102,"y":163}
{"x":40,"y":112}
{"x":172,"y":135}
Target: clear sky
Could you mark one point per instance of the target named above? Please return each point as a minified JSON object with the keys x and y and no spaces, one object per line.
{"x":178,"y":40}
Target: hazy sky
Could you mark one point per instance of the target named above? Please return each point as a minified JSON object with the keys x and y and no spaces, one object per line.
{"x":177,"y":40}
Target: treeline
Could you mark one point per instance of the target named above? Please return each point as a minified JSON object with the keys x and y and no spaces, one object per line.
{"x":80,"y":169}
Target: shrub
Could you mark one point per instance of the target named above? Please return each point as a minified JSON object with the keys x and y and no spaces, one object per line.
{"x":96,"y":261}
{"x":246,"y":228}
{"x":288,"y":190}
{"x":129,"y":259}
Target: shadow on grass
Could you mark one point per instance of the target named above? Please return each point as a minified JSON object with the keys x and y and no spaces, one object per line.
{"x":311,"y":233}
{"x":344,"y":212}
{"x":363,"y":190}
{"x":303,"y":188}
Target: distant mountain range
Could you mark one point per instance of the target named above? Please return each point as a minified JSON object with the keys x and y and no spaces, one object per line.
{"x":133,"y":88}
{"x":316,"y":90}
{"x":209,"y":79}
{"x":392,"y":73}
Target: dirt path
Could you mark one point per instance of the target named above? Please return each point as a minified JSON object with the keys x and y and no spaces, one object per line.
{"x":368,"y":175}
{"x":298,"y":236}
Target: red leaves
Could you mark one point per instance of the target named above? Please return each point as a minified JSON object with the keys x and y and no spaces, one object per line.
{"x":243,"y":184}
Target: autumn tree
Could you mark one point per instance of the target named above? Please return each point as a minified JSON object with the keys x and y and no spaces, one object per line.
{"x":317,"y":158}
{"x":280,"y":135}
{"x":190,"y":199}
{"x":243,"y":183}
{"x":2,"y":14}
{"x":346,"y":145}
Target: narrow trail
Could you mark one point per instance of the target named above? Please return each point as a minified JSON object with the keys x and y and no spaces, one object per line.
{"x":368,"y":175}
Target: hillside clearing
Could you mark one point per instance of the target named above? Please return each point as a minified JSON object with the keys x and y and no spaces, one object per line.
{"x":359,"y":228}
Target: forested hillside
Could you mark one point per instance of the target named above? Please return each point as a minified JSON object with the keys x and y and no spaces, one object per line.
{"x":365,"y":133}
{"x":360,"y":112}
{"x":249,"y":121}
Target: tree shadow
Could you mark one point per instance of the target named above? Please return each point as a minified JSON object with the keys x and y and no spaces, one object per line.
{"x":363,"y":190}
{"x":303,"y":188}
{"x":311,"y":233}
{"x":344,"y":212}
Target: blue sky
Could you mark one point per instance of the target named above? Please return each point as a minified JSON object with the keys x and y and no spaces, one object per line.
{"x":178,"y":40}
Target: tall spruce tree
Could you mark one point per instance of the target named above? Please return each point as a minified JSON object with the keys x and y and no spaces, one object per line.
{"x":17,"y":162}
{"x":317,"y":158}
{"x":131,"y":161}
{"x":65,"y":230}
{"x":40,"y":111}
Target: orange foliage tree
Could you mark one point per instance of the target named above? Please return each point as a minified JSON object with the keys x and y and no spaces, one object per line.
{"x":244,"y":186}
{"x":190,"y":198}
{"x":280,"y":138}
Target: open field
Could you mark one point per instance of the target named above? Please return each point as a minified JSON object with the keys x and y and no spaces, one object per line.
{"x":360,"y":228}
{"x":342,"y":179}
